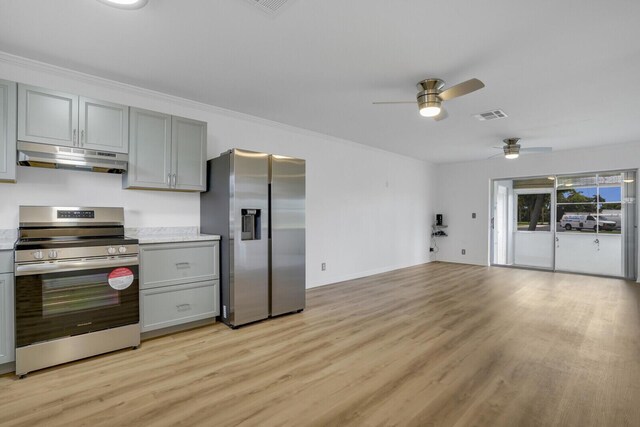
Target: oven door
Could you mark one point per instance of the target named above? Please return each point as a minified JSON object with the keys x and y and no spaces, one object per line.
{"x":66,"y":298}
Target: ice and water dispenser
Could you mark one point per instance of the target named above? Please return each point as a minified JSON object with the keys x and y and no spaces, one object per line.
{"x":251,"y":224}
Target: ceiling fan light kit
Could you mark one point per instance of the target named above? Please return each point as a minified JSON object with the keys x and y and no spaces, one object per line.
{"x":430,"y":96}
{"x":429,"y":104}
{"x":512,"y":148}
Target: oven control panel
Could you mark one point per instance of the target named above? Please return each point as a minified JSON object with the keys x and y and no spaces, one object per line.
{"x":76,"y":214}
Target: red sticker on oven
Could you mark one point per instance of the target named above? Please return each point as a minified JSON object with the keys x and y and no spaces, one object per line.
{"x":120,"y":278}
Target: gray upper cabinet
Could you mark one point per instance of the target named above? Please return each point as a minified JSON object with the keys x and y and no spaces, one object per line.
{"x":7,"y":131}
{"x":149,"y":150}
{"x":57,"y":118}
{"x":165,"y":152}
{"x":189,"y":152}
{"x":104,"y":126}
{"x":47,"y":116}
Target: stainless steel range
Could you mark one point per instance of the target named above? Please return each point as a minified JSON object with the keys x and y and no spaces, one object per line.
{"x":76,"y":285}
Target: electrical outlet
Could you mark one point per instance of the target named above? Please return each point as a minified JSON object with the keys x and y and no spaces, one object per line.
{"x":473,"y":215}
{"x":323,"y":266}
{"x":464,"y":252}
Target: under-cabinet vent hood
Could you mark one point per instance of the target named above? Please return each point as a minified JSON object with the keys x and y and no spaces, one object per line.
{"x":52,"y":156}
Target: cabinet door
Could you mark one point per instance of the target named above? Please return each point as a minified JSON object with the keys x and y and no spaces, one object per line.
{"x":189,"y":154}
{"x":7,"y":131}
{"x":47,"y":116}
{"x":175,"y":305}
{"x":7,"y":345}
{"x":104,"y":126}
{"x":149,"y":150}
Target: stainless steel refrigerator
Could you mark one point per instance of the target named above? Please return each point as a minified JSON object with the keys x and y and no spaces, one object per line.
{"x":256,"y":203}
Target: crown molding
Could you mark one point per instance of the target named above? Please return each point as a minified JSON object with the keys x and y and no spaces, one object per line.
{"x":38,"y":66}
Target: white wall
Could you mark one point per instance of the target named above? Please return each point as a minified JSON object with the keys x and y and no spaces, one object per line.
{"x":464,"y":188}
{"x":368,"y":211}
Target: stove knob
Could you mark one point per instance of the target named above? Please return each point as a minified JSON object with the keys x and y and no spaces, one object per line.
{"x":53,"y":254}
{"x":111,"y":250}
{"x":38,"y":255}
{"x":122,"y":249}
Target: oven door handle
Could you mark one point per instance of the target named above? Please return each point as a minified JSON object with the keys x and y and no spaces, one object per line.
{"x":55,"y":267}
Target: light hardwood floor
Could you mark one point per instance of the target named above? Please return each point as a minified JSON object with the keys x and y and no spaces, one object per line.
{"x":438,"y":344}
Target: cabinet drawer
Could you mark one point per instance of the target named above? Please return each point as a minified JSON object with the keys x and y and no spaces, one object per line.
{"x":174,"y":305}
{"x":6,"y":262}
{"x":175,"y":263}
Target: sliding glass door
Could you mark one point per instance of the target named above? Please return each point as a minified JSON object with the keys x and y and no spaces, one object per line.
{"x":592,"y":227}
{"x":584,"y":223}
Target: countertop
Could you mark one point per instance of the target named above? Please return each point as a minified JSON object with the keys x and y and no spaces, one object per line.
{"x":8,"y":238}
{"x":149,"y":235}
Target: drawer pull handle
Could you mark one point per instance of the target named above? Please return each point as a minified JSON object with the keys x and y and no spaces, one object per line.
{"x":183,"y":307}
{"x":181,"y":265}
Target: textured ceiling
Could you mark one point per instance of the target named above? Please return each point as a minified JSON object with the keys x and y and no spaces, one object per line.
{"x":567,"y":73}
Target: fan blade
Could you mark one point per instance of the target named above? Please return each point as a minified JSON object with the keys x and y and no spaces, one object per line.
{"x":393,"y":102}
{"x":495,"y":155}
{"x":443,"y":115}
{"x":461,"y":89}
{"x":536,"y":150}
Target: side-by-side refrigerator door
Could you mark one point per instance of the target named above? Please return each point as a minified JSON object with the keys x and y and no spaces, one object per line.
{"x":287,"y":235}
{"x":249,"y":231}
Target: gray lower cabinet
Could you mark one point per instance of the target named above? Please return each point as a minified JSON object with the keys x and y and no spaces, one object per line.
{"x":8,"y":93}
{"x":179,"y":283}
{"x":175,"y":305}
{"x":166,"y":152}
{"x":7,"y":344}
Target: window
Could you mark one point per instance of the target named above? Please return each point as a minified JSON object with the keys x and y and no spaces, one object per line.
{"x":589,"y":203}
{"x":534,"y":212}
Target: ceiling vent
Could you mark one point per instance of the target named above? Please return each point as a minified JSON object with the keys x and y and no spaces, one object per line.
{"x":491,"y":115}
{"x":270,"y":6}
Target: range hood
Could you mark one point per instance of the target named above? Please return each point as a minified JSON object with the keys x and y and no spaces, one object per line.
{"x":53,"y":156}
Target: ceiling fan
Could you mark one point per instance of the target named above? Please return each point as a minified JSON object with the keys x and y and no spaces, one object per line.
{"x":431,"y":95}
{"x":512,"y":149}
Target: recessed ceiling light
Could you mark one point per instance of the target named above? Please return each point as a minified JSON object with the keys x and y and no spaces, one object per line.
{"x":125,"y":4}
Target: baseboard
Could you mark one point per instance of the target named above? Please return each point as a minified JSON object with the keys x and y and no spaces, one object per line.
{"x":343,"y":278}
{"x":463,"y":262}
